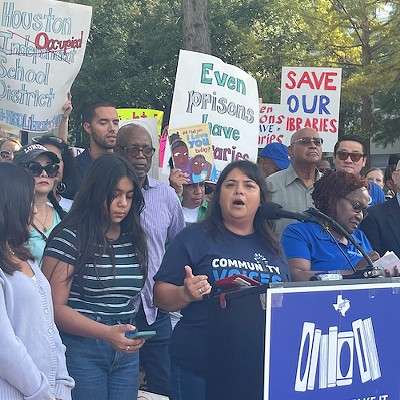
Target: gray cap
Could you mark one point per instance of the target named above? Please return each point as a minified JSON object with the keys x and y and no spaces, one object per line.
{"x":28,"y":153}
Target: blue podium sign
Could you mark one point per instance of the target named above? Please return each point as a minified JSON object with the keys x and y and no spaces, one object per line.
{"x":333,"y":342}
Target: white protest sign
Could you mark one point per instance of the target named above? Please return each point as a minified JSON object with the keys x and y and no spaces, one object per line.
{"x":42,"y":44}
{"x":312,"y":95}
{"x":209,"y":91}
{"x":273,"y":125}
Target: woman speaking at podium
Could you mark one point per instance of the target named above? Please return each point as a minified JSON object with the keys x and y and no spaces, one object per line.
{"x":231,"y":240}
{"x":317,"y":246}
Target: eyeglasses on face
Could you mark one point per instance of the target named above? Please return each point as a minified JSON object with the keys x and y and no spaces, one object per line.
{"x":6,"y":154}
{"x":357,"y":207}
{"x":208,"y":188}
{"x":306,"y":141}
{"x":344,"y":155}
{"x":134,"y":151}
{"x":47,"y":139}
{"x":36,"y":169}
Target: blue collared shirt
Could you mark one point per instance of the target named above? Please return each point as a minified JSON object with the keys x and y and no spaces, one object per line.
{"x":309,"y":241}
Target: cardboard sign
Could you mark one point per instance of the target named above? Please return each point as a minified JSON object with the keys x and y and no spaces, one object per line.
{"x":42,"y":44}
{"x":226,"y":98}
{"x":312,"y":96}
{"x":136,"y":113}
{"x":273,"y":125}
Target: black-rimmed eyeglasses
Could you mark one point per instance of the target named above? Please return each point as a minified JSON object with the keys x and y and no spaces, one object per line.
{"x":357,"y":207}
{"x":134,"y":151}
{"x":344,"y":155}
{"x":36,"y":169}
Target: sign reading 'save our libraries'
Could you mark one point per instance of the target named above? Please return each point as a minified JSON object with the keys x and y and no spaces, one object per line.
{"x":312,"y":97}
{"x":42,"y":44}
{"x":207,"y":90}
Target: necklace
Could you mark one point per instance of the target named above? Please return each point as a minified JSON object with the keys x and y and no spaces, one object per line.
{"x":44,"y":237}
{"x":45,"y":220}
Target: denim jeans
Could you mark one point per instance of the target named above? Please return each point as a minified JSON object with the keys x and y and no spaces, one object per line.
{"x":100,"y":372}
{"x":186,"y":385}
{"x":154,"y":355}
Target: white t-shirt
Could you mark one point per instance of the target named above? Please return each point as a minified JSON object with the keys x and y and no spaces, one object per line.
{"x":190,"y":214}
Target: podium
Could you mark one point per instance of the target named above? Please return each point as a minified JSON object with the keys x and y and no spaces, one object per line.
{"x":236,"y":345}
{"x":331,"y":340}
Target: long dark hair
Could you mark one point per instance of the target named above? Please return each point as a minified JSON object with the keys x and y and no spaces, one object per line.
{"x":16,"y":212}
{"x":214,"y":219}
{"x":90,"y":219}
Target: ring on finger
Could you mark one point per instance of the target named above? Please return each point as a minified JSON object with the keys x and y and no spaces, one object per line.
{"x":200,"y":291}
{"x":127,"y":348}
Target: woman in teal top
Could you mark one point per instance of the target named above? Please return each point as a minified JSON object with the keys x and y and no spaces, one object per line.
{"x":44,"y":166}
{"x":96,"y":262}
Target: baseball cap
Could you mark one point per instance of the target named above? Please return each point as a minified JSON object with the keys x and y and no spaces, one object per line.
{"x":28,"y":153}
{"x":278,"y":153}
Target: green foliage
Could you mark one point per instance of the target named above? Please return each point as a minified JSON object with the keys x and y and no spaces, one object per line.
{"x":132,"y":53}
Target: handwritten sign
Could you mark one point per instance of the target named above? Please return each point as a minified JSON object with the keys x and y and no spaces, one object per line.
{"x":42,"y":44}
{"x":273,"y":125}
{"x":312,"y":96}
{"x":136,"y":113}
{"x":226,"y":98}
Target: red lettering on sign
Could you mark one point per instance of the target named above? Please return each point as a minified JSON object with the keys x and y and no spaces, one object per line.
{"x":315,"y":81}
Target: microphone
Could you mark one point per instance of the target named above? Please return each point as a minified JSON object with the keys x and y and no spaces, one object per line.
{"x":274,"y":211}
{"x":370,"y":271}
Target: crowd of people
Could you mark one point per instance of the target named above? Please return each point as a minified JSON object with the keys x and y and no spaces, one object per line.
{"x":101,"y":249}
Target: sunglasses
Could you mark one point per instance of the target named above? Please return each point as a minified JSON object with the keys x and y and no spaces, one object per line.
{"x":6,"y":153}
{"x":208,"y":188}
{"x":36,"y":169}
{"x":47,"y":139}
{"x":344,"y":155}
{"x":306,"y":141}
{"x":357,"y":207}
{"x":134,"y":151}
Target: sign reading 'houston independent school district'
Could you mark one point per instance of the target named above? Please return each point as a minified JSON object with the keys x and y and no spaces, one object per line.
{"x":333,"y":342}
{"x":226,"y":98}
{"x":42,"y":44}
{"x":312,"y":96}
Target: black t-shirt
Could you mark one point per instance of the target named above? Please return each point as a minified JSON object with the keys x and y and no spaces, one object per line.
{"x":217,"y":257}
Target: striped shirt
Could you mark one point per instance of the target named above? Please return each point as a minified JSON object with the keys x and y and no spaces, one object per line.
{"x":161,"y":219}
{"x":106,"y":290}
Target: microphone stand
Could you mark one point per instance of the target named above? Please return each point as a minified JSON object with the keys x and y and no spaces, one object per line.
{"x":370,"y":271}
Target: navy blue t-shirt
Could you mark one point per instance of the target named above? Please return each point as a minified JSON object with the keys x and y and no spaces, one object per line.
{"x":217,"y":257}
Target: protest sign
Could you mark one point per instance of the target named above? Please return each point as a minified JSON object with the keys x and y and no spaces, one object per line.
{"x":273,"y":125}
{"x":42,"y":44}
{"x":312,"y":96}
{"x":136,"y":113}
{"x":192,"y":152}
{"x":226,"y":98}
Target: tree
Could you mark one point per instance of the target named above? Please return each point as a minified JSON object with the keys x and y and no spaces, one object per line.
{"x":357,"y":36}
{"x":195,"y":29}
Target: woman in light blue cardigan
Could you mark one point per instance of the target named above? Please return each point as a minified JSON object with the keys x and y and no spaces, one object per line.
{"x":32,"y":356}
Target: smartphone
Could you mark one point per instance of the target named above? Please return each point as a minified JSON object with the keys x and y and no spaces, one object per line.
{"x":140,"y":334}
